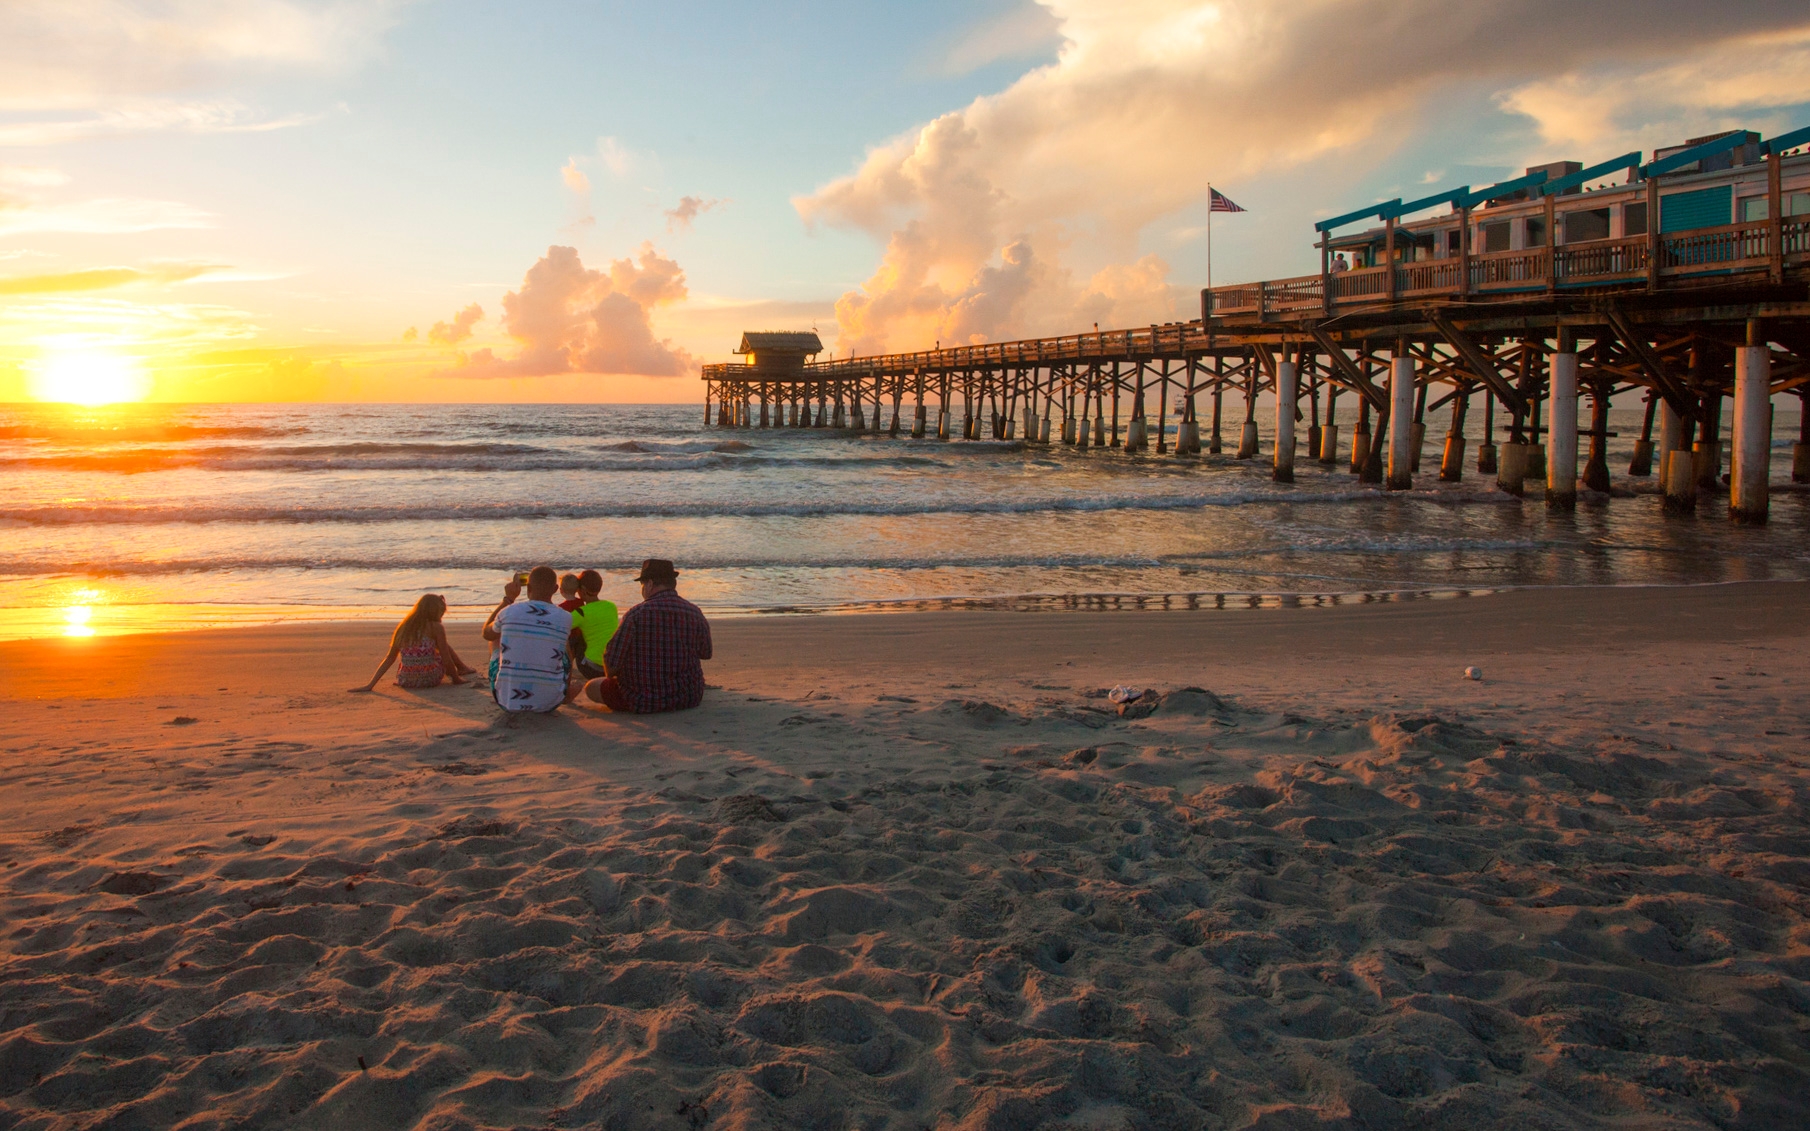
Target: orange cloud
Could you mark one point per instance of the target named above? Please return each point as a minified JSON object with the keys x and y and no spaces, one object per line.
{"x":689,"y":208}
{"x":981,"y":210}
{"x":566,"y":318}
{"x":459,"y":329}
{"x":101,"y":278}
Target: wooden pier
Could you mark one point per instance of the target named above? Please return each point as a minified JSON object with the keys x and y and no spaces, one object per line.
{"x":1694,"y":315}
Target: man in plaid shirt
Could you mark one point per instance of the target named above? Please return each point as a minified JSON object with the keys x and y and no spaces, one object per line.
{"x":653,"y":660}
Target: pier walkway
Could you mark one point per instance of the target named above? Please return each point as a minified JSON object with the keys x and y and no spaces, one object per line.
{"x":1578,"y":292}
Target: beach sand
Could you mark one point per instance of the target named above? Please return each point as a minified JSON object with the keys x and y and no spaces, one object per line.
{"x":913,"y":871}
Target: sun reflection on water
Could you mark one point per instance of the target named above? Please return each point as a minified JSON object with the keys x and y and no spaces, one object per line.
{"x":80,"y":612}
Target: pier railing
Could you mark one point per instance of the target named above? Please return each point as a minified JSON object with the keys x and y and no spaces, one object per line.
{"x":1715,"y":255}
{"x":1600,"y":263}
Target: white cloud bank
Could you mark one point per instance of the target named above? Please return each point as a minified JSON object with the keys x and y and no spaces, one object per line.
{"x":567,"y":318}
{"x":77,"y":69}
{"x":1023,"y":211}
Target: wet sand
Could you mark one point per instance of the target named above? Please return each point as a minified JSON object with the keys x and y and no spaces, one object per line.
{"x":913,"y":871}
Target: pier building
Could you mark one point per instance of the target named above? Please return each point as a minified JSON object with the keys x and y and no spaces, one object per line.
{"x":1684,"y":276}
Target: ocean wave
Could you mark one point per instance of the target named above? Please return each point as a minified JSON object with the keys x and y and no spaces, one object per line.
{"x":1255,"y":561}
{"x":374,"y":456}
{"x":71,"y":514}
{"x":467,"y":458}
{"x":87,"y":435}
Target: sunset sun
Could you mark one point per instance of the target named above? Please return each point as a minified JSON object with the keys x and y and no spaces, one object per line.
{"x":88,"y":378}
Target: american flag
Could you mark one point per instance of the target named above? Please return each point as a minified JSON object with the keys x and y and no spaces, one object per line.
{"x":1222,"y":202}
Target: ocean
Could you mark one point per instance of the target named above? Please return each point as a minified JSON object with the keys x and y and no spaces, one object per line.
{"x":132,"y":516}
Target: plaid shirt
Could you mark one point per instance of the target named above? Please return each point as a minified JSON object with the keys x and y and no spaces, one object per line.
{"x":654,"y":655}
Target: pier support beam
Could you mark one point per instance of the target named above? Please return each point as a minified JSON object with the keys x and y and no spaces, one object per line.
{"x":1215,"y":447}
{"x":1747,"y":498}
{"x":1451,"y":461}
{"x":1709,"y":442}
{"x":1360,"y":439}
{"x":1641,"y":465}
{"x":1511,"y":468}
{"x":1287,"y":392}
{"x":1401,"y":411}
{"x":1671,"y":434}
{"x":1678,"y":477}
{"x":1596,"y":468}
{"x":1561,"y":459}
{"x":1247,"y":440}
{"x":1800,"y":451}
{"x":1486,"y":451}
{"x":1328,"y":452}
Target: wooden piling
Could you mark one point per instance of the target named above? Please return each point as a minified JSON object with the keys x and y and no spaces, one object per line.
{"x":1640,"y":466}
{"x":1748,"y":489}
{"x":1561,"y":467}
{"x":1596,"y":470}
{"x":1451,"y":462}
{"x":1328,"y":452}
{"x":1287,"y":391}
{"x":1247,"y":439}
{"x":1678,"y":476}
{"x":1800,"y":451}
{"x":1401,"y":408}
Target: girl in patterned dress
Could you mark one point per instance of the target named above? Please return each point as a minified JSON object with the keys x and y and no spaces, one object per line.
{"x":420,"y":650}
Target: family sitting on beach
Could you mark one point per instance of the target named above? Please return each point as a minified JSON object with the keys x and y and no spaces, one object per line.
{"x":545,"y":653}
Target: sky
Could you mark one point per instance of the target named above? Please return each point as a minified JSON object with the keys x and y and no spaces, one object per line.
{"x":455,"y":200}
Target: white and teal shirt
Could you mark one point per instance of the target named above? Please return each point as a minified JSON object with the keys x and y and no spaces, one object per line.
{"x":528,"y":669}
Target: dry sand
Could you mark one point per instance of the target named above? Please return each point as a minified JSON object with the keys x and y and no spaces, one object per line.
{"x":910,"y":872}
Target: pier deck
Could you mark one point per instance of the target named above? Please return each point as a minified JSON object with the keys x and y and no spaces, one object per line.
{"x":1691,"y":317}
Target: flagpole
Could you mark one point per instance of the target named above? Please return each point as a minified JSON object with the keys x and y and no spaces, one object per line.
{"x":1209,"y":244}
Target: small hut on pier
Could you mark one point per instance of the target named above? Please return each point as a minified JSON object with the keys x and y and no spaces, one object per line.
{"x":779,"y":352}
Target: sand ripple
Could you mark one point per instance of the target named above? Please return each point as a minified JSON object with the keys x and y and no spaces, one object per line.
{"x":1210,"y":917}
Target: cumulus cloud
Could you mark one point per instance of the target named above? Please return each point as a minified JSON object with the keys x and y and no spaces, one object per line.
{"x":992,"y":215}
{"x":456,"y":331}
{"x":681,"y":216}
{"x":567,"y":318}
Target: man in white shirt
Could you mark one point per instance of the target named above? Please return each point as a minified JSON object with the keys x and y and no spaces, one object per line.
{"x":530,"y":665}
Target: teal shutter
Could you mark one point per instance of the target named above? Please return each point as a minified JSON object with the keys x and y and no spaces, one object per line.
{"x":1703,"y":208}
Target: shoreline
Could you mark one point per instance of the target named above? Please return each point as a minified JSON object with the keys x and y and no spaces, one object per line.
{"x":54,"y":622}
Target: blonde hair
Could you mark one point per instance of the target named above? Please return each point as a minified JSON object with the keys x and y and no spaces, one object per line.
{"x":414,"y":627}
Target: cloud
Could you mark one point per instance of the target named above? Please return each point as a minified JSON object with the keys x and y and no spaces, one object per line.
{"x":31,"y":177}
{"x":574,"y":177}
{"x":97,"y":321}
{"x":211,"y":117}
{"x":81,"y":54}
{"x":615,"y":157}
{"x":990,"y":215}
{"x":687,"y":210}
{"x":1027,"y":30}
{"x":459,"y":329}
{"x":566,"y":318}
{"x":101,"y":216}
{"x":103,"y":278}
{"x":1721,"y":87}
